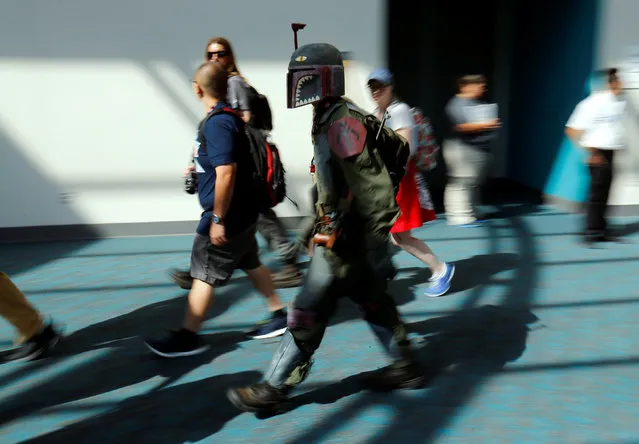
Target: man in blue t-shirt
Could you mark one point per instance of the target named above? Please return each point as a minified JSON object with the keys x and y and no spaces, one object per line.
{"x":225,"y":238}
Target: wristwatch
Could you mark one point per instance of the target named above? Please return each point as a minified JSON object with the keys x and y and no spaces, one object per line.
{"x":216,"y":219}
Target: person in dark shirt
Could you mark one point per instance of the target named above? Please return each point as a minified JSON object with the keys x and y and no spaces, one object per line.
{"x":225,"y":238}
{"x":242,"y":97}
{"x":224,"y":144}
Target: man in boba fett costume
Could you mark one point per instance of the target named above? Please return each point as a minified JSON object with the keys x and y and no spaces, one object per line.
{"x":356,"y":209}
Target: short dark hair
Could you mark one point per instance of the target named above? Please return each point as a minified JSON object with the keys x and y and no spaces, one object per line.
{"x":471,"y":79}
{"x":213,"y":79}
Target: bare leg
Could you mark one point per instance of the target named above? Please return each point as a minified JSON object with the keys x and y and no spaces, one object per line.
{"x":261,"y":279}
{"x":15,"y":308}
{"x":200,"y":300}
{"x":419,"y":249}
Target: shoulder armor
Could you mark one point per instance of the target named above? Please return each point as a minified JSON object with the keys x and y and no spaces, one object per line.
{"x":347,"y":137}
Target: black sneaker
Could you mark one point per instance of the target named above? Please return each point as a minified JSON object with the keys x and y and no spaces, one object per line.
{"x":176,"y":344}
{"x":273,"y":326}
{"x":394,"y":377}
{"x":257,"y":397}
{"x":36,"y":346}
{"x":181,"y":278}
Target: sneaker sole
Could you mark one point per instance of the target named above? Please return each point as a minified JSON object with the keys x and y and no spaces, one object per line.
{"x":452,"y":274}
{"x":270,"y":335}
{"x":40,"y":352}
{"x":197,"y":351}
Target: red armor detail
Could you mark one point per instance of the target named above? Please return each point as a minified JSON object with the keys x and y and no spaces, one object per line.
{"x":347,"y":137}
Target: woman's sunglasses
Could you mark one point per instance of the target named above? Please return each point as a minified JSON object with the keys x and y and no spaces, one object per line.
{"x":219,"y":54}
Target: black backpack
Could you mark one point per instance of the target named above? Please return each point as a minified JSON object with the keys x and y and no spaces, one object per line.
{"x":392,"y":148}
{"x":261,"y":116}
{"x":269,"y":170}
{"x":269,"y":173}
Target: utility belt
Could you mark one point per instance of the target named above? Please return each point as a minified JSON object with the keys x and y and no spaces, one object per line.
{"x":331,"y":225}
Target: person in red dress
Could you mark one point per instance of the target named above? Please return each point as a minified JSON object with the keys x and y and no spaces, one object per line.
{"x":398,"y":116}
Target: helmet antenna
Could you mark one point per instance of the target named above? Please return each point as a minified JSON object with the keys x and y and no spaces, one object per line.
{"x":296,"y":27}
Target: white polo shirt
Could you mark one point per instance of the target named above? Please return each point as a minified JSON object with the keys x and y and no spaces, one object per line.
{"x":600,"y":117}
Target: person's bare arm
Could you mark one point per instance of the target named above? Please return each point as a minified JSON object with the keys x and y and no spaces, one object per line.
{"x":477,"y":127}
{"x":224,"y":185}
{"x":595,"y":157}
{"x":574,"y":135}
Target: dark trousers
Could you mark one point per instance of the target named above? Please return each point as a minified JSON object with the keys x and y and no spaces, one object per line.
{"x":331,"y":277}
{"x":322,"y":290}
{"x":272,"y":229}
{"x":307,"y":226}
{"x":600,"y":181}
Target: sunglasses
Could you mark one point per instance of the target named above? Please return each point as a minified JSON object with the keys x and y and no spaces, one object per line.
{"x":219,"y":54}
{"x":376,"y":86}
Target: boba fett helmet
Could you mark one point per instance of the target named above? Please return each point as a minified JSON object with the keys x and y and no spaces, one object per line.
{"x":315,"y":72}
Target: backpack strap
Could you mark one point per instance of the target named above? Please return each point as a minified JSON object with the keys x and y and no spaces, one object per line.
{"x":381,"y":125}
{"x":225,"y":110}
{"x":214,"y":112}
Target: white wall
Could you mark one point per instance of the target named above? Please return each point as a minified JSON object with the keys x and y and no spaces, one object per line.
{"x":96,"y":111}
{"x":617,"y":34}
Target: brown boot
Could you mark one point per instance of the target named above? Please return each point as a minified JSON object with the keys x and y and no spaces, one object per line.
{"x":257,"y":397}
{"x":396,"y":376}
{"x":289,"y":276}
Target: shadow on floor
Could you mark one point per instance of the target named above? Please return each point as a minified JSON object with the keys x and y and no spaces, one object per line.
{"x":480,"y":340}
{"x":19,"y":258}
{"x":120,"y":357}
{"x":114,"y":368}
{"x":168,"y":416}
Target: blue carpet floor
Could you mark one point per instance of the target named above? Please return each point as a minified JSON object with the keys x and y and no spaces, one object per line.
{"x":539,"y":332}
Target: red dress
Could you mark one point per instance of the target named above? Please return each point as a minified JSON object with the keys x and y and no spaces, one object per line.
{"x":412,"y":214}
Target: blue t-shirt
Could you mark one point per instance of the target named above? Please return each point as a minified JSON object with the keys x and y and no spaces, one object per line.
{"x":224,"y":143}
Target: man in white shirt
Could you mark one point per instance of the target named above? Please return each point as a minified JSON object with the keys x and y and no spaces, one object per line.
{"x":596,"y":125}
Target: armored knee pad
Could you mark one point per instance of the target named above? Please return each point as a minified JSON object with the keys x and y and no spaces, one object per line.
{"x":290,"y":364}
{"x":307,"y":328}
